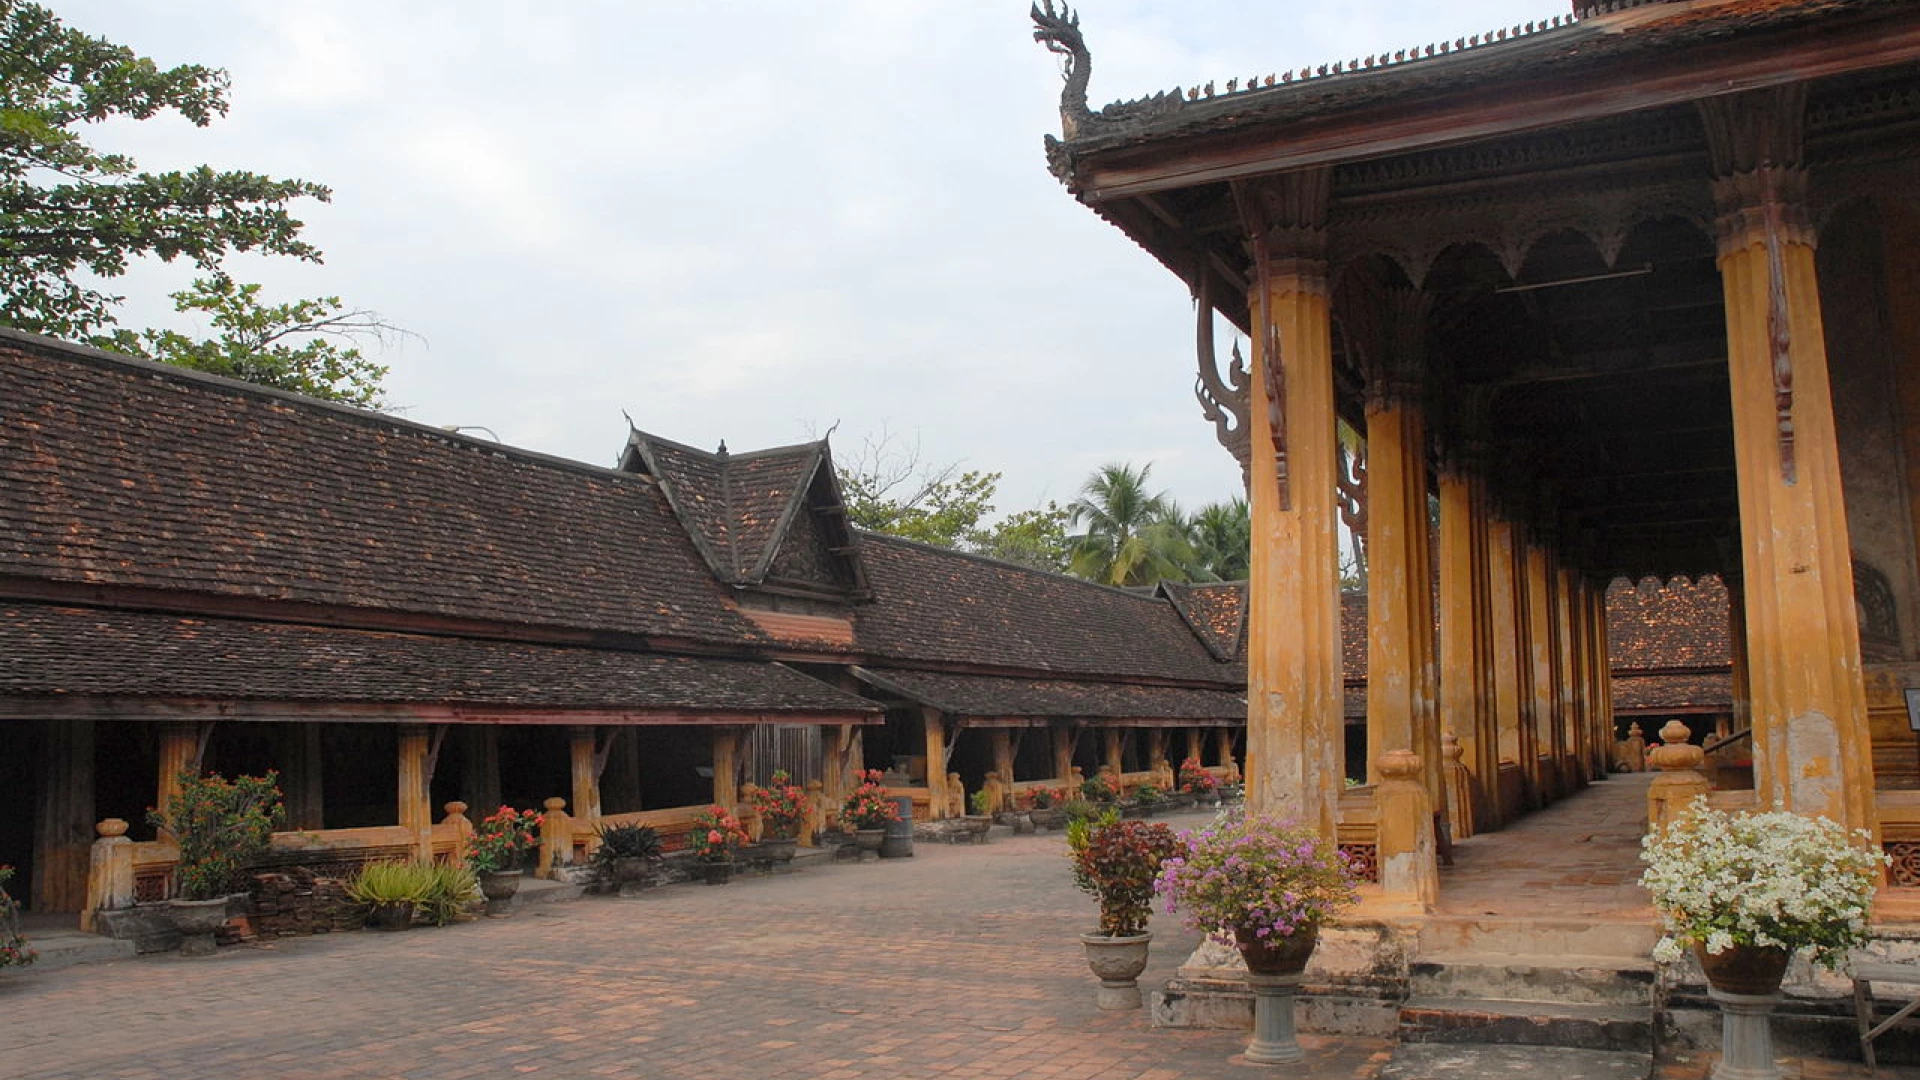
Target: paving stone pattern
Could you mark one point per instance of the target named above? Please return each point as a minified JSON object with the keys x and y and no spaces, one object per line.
{"x":960,"y":962}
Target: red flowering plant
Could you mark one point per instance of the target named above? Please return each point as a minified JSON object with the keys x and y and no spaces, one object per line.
{"x":502,"y":840}
{"x":782,"y":806}
{"x":869,"y":807}
{"x":1117,"y":862}
{"x":14,"y":951}
{"x":716,"y":835}
{"x":221,"y":827}
{"x":1046,"y":798}
{"x":1195,"y":779}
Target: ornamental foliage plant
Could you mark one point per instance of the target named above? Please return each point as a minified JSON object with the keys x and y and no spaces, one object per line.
{"x":14,"y":950}
{"x":1269,"y":875}
{"x":782,"y":806}
{"x":1117,"y":863}
{"x":716,"y":835}
{"x":1195,"y":779}
{"x":627,"y":841}
{"x":1096,"y":789}
{"x":869,"y":806}
{"x":502,"y":840}
{"x":1774,"y":879}
{"x":222,"y":827}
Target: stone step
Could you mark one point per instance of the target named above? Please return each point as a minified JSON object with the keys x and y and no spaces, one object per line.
{"x":69,"y":947}
{"x":1458,"y":935}
{"x":534,"y":890}
{"x":1526,"y":1023}
{"x":1468,"y":1061}
{"x":1586,"y":980}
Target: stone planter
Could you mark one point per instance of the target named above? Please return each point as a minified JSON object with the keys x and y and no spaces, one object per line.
{"x":390,"y":915}
{"x":1117,"y":962}
{"x":630,"y":874}
{"x":777,"y":851}
{"x":976,"y":827}
{"x":198,"y":921}
{"x":498,"y":886}
{"x":716,"y":871}
{"x":1050,"y":818}
{"x":868,"y":841}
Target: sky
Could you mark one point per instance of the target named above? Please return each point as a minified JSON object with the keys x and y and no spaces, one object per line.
{"x":750,"y":221}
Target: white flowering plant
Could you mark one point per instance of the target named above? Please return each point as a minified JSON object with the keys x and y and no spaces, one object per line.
{"x":1769,"y":879}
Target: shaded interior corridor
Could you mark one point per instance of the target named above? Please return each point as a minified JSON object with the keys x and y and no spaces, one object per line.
{"x":1579,"y":857}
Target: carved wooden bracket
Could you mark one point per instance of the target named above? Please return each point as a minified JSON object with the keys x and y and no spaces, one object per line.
{"x":1274,"y":371}
{"x":1223,"y":402}
{"x":1351,"y":484}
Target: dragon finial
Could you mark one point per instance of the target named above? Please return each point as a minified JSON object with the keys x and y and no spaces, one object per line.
{"x":1059,"y":31}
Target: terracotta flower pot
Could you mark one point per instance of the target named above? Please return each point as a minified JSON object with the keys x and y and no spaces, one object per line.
{"x":1744,"y":969}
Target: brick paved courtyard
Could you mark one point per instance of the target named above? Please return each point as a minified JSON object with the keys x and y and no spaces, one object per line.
{"x":961,"y":962}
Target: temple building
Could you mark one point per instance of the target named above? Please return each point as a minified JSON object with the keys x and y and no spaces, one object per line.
{"x":1627,"y":292}
{"x":405,"y":622}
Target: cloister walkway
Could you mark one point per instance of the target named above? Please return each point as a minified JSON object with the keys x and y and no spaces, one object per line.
{"x":1578,"y":858}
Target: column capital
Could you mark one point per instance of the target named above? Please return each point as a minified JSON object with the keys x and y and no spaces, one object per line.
{"x":1285,"y":218}
{"x":1756,"y":141}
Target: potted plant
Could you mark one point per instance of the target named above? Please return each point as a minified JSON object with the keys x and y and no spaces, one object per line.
{"x":390,"y":889}
{"x":1048,"y":803}
{"x":715,"y":837}
{"x":627,"y":855}
{"x":221,"y":827}
{"x":782,"y":806}
{"x":498,"y":850}
{"x":980,"y":822}
{"x":14,"y":950}
{"x":1265,"y":884}
{"x":1196,"y":781}
{"x":867,"y":812}
{"x":452,"y":891}
{"x":1095,"y":789}
{"x":1146,"y":800}
{"x":1118,"y":861}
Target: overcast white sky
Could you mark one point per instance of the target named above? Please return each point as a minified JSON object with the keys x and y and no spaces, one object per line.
{"x":739,"y":220}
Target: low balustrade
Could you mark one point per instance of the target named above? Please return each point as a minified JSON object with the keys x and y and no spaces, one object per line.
{"x":1358,"y":830}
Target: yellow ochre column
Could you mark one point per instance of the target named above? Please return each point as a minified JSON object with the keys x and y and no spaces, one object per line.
{"x":1294,"y":718}
{"x":1466,"y":661}
{"x":1810,"y":737}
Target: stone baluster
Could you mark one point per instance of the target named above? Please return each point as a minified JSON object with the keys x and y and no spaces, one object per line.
{"x":1636,"y":748}
{"x":462,"y":828}
{"x":1459,"y":785}
{"x":556,"y":837}
{"x":956,"y":796}
{"x":1681,"y":777}
{"x":816,"y":819}
{"x":110,"y":873}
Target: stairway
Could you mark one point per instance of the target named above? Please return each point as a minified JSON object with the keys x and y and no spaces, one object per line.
{"x":1567,"y":998}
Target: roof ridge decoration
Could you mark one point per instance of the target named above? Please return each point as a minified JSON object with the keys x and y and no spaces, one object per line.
{"x":1059,"y":30}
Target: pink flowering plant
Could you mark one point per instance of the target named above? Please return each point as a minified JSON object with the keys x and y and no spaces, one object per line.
{"x":869,"y":807}
{"x":14,"y":950}
{"x":1269,"y":875}
{"x":502,"y":840}
{"x":1195,"y":779}
{"x":716,"y":835}
{"x":782,"y":805}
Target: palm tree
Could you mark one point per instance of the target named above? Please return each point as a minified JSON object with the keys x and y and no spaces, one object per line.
{"x":1132,"y":537}
{"x":1222,"y":540}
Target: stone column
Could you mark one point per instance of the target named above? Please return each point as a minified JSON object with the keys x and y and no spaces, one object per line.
{"x":1466,"y":638}
{"x":1568,"y":740}
{"x":1062,"y":738}
{"x":1294,"y":692}
{"x":1810,"y":738}
{"x":1539,"y":663}
{"x":1505,"y":619}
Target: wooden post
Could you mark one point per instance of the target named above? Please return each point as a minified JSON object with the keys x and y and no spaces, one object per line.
{"x":1196,"y":745}
{"x":179,"y":753}
{"x":1811,"y":745}
{"x":1466,"y":637}
{"x":726,"y":766}
{"x":1507,"y":612}
{"x":582,"y":759}
{"x":1063,"y":754}
{"x":1002,"y":742}
{"x":935,"y":728}
{"x":481,"y":784}
{"x":301,"y":779}
{"x":1539,"y":662}
{"x":109,"y":873}
{"x":1294,"y":691}
{"x":1223,"y":746}
{"x":1111,"y":753}
{"x":415,"y":808}
{"x":64,"y":823}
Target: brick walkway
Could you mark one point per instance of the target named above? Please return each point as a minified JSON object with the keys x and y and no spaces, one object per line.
{"x":961,"y":962}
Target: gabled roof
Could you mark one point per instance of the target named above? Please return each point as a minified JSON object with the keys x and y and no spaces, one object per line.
{"x":993,"y":698}
{"x":1678,"y":625}
{"x":178,"y":487}
{"x":742,"y":510}
{"x":933,"y":606}
{"x":1217,"y":612}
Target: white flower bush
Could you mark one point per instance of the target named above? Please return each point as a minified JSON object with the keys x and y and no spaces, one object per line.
{"x":1769,"y":879}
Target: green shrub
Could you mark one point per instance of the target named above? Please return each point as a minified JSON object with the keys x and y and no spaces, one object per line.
{"x":391,"y":881}
{"x":222,"y":828}
{"x":626,"y":842}
{"x":451,"y":889}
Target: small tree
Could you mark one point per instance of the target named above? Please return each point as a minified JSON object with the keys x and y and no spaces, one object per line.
{"x":1117,"y":863}
{"x":222,"y":827}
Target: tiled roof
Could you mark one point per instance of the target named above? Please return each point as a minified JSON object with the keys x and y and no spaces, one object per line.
{"x":964,"y":696}
{"x":124,"y":473}
{"x":1677,"y":625}
{"x":72,"y":652}
{"x":1217,"y":612}
{"x":1353,"y":635}
{"x":736,"y":506}
{"x":934,"y":606}
{"x":1672,"y":693}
